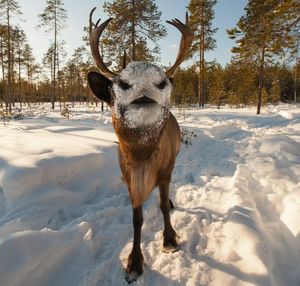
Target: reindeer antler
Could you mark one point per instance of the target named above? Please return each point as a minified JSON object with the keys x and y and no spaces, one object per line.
{"x":95,"y":34}
{"x":96,"y":31}
{"x":185,"y":43}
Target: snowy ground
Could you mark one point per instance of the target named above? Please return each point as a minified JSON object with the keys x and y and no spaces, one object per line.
{"x":65,"y":216}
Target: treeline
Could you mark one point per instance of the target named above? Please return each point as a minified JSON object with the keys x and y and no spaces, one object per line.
{"x":24,"y":81}
{"x":265,"y":67}
{"x":237,"y":84}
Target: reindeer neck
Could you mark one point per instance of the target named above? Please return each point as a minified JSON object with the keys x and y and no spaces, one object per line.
{"x":138,"y":143}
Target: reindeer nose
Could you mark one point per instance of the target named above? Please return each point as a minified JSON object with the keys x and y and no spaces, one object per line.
{"x":143,"y":92}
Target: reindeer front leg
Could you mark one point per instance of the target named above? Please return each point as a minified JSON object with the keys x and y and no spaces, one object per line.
{"x":170,"y":243}
{"x":135,"y":260}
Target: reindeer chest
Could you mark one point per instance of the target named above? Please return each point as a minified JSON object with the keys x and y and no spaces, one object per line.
{"x":138,"y":159}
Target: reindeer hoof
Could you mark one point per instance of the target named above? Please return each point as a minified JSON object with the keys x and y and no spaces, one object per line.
{"x":132,"y":276}
{"x":170,"y":246}
{"x":170,"y":249}
{"x":134,"y":268}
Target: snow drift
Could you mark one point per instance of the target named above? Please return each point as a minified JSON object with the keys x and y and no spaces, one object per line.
{"x":65,"y":216}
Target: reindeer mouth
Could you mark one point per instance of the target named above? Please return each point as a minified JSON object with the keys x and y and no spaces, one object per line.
{"x":143,"y":101}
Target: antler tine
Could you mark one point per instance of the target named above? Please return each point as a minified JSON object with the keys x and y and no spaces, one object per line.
{"x":186,"y":18}
{"x":91,"y":21}
{"x":185,"y":43}
{"x":95,"y":34}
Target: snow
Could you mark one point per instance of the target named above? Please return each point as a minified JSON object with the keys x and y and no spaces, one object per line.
{"x":65,"y":215}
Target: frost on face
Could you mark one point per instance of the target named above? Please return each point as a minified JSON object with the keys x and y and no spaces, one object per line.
{"x":144,"y":116}
{"x":142,"y":80}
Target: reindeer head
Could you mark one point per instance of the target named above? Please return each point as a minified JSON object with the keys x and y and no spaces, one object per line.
{"x":140,"y":94}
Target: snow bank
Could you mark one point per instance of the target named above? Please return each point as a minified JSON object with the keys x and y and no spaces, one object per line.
{"x":65,"y":216}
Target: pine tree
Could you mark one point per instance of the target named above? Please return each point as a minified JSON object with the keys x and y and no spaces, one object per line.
{"x":201,"y":16}
{"x":215,"y":83}
{"x":48,"y":61}
{"x":296,"y":78}
{"x":240,"y":81}
{"x":28,"y":60}
{"x":185,"y":87}
{"x":7,"y":9}
{"x":275,"y":92}
{"x":77,"y":79}
{"x":2,"y":58}
{"x":287,"y":21}
{"x":134,"y":23}
{"x":53,"y":19}
{"x":264,"y":31}
{"x":20,"y":40}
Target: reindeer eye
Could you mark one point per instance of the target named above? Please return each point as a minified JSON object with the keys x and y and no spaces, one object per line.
{"x":124,"y":85}
{"x":162,"y":84}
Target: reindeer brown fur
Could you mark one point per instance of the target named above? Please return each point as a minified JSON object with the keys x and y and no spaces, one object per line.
{"x":148,"y":133}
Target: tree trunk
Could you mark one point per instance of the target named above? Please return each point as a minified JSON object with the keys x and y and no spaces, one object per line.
{"x":19,"y":78}
{"x":201,"y":82}
{"x":12,"y":76}
{"x":73,"y":94}
{"x":3,"y":68}
{"x":58,"y":84}
{"x":51,"y":78}
{"x":9,"y":93}
{"x":261,"y":79}
{"x":29,"y":86}
{"x":54,"y":58}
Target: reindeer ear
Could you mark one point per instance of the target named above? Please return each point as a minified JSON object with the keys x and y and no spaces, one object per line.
{"x":100,"y":86}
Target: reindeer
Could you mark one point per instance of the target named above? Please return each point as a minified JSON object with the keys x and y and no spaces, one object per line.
{"x":148,"y":133}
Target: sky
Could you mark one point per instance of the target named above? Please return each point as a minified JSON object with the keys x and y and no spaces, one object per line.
{"x":227,"y":13}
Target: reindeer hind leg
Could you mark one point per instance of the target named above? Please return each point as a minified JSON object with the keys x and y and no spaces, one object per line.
{"x":169,"y":243}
